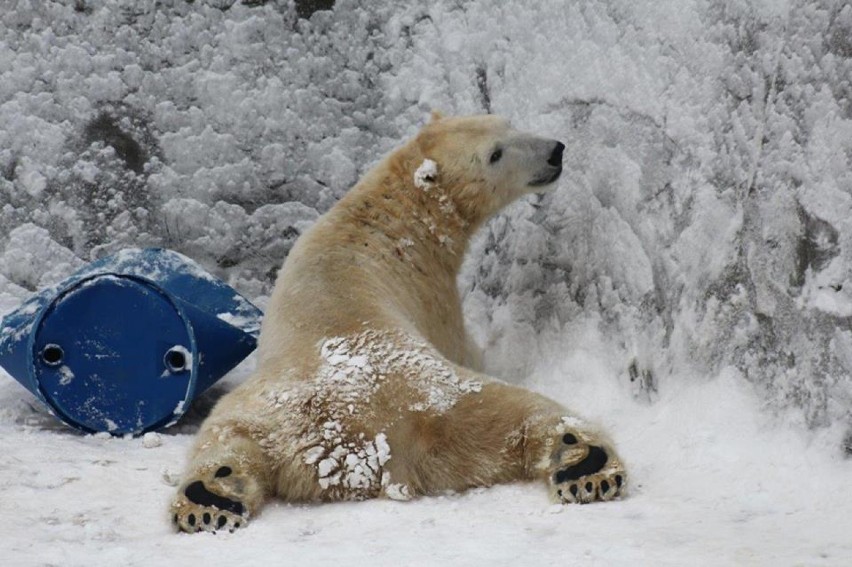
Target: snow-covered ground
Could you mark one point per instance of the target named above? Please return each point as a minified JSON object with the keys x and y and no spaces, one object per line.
{"x":687,"y":284}
{"x":714,"y":482}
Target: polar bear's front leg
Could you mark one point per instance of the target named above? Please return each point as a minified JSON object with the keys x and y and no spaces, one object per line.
{"x":228,"y":481}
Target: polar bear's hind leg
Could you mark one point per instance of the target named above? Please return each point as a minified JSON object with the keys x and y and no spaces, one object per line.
{"x":582,"y":469}
{"x":228,"y":482}
{"x":503,"y":433}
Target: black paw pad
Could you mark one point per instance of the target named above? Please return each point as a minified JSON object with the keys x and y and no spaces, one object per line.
{"x":205,"y":518}
{"x":221,"y":522}
{"x":604,"y":487}
{"x":223,"y":472}
{"x":198,"y":493}
{"x":589,"y":487}
{"x":191,"y":519}
{"x":594,"y":462}
{"x":574,"y":490}
{"x":569,"y":439}
{"x":618,"y":480}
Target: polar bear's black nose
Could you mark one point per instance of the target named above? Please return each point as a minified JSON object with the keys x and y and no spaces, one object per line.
{"x":555,"y":158}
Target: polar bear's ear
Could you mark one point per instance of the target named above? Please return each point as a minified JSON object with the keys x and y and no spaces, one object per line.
{"x":436,"y":115}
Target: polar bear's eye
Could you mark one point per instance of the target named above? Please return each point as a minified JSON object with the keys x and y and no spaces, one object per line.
{"x":495,"y":156}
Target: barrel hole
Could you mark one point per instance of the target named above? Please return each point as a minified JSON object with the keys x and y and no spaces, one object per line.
{"x":52,"y":355}
{"x":176,"y":359}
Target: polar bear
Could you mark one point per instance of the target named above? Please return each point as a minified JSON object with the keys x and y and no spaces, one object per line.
{"x":365,"y":383}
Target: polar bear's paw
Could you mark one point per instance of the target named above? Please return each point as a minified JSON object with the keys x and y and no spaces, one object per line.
{"x":210,"y":504}
{"x":585,"y":471}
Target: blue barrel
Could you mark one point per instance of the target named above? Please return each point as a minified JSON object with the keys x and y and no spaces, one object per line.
{"x":126,"y":343}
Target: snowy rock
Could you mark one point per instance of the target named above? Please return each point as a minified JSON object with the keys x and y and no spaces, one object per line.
{"x":151,"y":440}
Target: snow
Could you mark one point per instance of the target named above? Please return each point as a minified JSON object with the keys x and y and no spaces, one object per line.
{"x":151,"y":440}
{"x":714,"y":481}
{"x":686,"y":286}
{"x":67,"y":375}
{"x":425,"y":174}
{"x":357,"y":365}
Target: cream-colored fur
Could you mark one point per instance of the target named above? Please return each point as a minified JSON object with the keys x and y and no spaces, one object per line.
{"x":364,"y":384}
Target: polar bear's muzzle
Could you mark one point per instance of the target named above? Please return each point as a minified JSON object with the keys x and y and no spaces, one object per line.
{"x":553,"y":169}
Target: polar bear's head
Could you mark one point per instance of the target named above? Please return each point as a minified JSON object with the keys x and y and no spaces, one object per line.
{"x":485,"y":164}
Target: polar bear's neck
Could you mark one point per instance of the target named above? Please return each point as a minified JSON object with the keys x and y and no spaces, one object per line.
{"x":422,"y":224}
